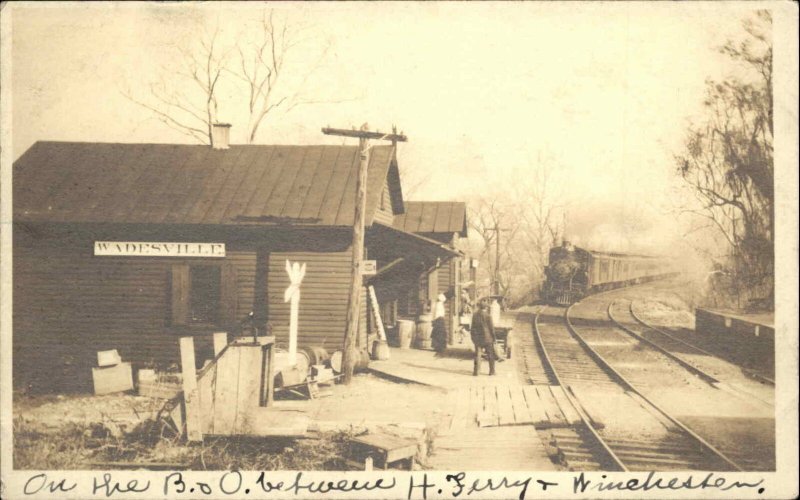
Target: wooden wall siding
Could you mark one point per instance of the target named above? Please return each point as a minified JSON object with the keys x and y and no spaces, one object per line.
{"x":384,"y":213}
{"x":68,"y":304}
{"x":323,"y":299}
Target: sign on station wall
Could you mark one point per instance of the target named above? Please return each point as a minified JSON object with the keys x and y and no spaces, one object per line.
{"x":158,"y":249}
{"x":369,"y":267}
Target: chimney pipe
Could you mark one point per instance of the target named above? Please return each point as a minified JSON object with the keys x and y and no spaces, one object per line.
{"x":220,"y":135}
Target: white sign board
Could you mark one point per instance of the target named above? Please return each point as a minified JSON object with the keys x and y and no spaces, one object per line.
{"x":158,"y":249}
{"x":369,"y":267}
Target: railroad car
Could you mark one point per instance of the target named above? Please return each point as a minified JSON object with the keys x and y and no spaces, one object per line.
{"x":575,"y":272}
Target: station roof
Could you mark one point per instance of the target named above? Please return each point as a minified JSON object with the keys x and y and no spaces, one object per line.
{"x":433,"y":217}
{"x":196,"y":184}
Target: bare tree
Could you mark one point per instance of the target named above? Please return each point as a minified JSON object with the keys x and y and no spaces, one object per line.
{"x":487,"y":214}
{"x":728,"y":158}
{"x":530,"y":214}
{"x":261,"y":66}
{"x":542,"y":214}
{"x":187,"y":97}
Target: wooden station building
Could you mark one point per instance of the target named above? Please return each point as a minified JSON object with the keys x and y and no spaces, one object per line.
{"x":132,"y":246}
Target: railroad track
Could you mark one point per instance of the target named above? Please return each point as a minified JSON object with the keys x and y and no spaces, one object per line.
{"x":674,"y":344}
{"x":666,"y":444}
{"x":694,"y":359}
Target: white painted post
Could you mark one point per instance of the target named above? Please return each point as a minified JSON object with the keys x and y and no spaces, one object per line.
{"x":296,"y":274}
{"x":191,"y":396}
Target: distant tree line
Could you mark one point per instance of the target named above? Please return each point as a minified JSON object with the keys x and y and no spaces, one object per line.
{"x":727,"y":164}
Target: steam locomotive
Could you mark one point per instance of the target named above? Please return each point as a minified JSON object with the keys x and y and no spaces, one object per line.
{"x":575,"y":272}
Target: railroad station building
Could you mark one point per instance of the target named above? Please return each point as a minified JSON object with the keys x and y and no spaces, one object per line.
{"x":132,"y":246}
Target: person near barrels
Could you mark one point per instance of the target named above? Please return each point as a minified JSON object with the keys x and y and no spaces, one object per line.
{"x":482,"y":333}
{"x":439,"y":328}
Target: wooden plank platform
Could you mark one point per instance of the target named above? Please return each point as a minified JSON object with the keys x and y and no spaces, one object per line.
{"x":522,"y":414}
{"x":502,"y":405}
{"x":538,"y":416}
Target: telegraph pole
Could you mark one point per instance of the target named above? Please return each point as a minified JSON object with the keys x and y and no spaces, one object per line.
{"x":354,"y":302}
{"x":497,"y":229}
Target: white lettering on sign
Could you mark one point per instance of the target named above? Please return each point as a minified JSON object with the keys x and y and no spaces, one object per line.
{"x":158,"y":249}
{"x":369,"y":267}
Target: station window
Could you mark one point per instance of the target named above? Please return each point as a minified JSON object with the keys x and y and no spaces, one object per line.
{"x":204,"y":294}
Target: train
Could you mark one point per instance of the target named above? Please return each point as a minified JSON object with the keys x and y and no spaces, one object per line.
{"x":573,"y":272}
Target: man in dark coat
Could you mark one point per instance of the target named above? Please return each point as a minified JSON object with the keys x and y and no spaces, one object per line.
{"x":482,"y":333}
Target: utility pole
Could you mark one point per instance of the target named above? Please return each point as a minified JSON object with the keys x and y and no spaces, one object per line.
{"x":354,"y":301}
{"x":497,"y":229}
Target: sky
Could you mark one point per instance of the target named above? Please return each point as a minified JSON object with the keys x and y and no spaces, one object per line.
{"x":604,"y":91}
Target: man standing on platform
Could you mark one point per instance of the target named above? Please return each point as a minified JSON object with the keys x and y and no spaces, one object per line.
{"x":482,"y":333}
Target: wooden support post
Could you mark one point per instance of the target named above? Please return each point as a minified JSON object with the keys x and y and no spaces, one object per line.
{"x":268,"y":375}
{"x":354,"y":302}
{"x":349,"y":353}
{"x":191,"y":396}
{"x":220,"y":341}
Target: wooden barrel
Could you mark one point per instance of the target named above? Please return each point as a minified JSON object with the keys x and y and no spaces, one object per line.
{"x":336,"y":362}
{"x":424,"y":344}
{"x":405,"y":333}
{"x":361,"y":361}
{"x":424,"y":327}
{"x":317,"y":355}
{"x":303,"y":362}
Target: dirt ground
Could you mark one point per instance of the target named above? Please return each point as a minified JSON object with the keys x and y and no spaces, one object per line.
{"x":82,"y":431}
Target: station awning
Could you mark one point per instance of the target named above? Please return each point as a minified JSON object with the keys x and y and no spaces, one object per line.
{"x":391,"y":243}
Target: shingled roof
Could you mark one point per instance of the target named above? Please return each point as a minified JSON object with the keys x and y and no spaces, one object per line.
{"x":195,"y":184}
{"x":433,"y":217}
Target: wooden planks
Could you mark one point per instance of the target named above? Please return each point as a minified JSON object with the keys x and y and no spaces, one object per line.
{"x":233,"y":389}
{"x":248,"y":385}
{"x":490,"y":416}
{"x":543,"y":406}
{"x":225,"y":396}
{"x":505,"y":411}
{"x":538,"y":414}
{"x":522,"y":414}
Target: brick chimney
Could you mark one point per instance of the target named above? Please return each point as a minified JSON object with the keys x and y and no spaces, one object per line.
{"x":220,"y":135}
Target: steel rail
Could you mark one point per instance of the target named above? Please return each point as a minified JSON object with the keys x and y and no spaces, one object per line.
{"x":573,"y":400}
{"x":615,"y":374}
{"x":758,"y":376}
{"x":711,"y":380}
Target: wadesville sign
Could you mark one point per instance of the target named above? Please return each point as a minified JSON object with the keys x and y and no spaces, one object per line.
{"x":158,"y":249}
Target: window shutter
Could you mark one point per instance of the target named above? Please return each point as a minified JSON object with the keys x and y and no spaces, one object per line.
{"x":180,"y":294}
{"x":228,"y":295}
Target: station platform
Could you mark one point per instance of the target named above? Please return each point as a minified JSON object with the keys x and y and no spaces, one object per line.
{"x":490,"y":422}
{"x":452,"y":369}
